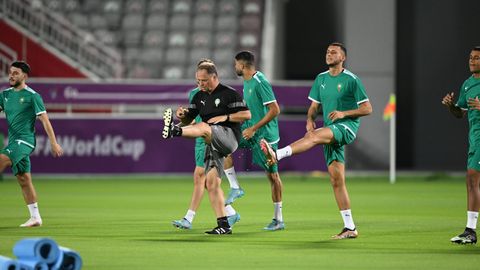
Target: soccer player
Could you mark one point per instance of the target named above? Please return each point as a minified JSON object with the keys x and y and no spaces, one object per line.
{"x":22,"y":105}
{"x":222,"y":110}
{"x":343,"y":99}
{"x":468,"y":104}
{"x":263,"y":125}
{"x":199,"y":176}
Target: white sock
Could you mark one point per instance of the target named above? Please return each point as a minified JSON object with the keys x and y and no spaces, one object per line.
{"x":472,"y":218}
{"x":190,"y":215}
{"x":34,"y":212}
{"x":229,"y":210}
{"x":284,"y":152}
{"x":232,"y":177}
{"x":348,"y":219}
{"x":277,"y":211}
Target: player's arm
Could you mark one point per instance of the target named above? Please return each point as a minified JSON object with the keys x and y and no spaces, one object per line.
{"x":312,"y":115}
{"x":273,"y":111}
{"x":57,"y":150}
{"x":364,"y":108}
{"x":454,"y":109}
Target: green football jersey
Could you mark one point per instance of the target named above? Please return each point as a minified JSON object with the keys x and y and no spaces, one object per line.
{"x":198,"y":119}
{"x":258,"y":93}
{"x":343,"y":92}
{"x":21,"y":109}
{"x":471,"y":89}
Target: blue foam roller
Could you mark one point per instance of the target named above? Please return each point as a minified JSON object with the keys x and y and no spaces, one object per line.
{"x":37,"y":249}
{"x":70,"y":260}
{"x":31,"y":264}
{"x":8,"y":263}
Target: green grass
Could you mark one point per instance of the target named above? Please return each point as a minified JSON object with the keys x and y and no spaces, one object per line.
{"x":125,"y":223}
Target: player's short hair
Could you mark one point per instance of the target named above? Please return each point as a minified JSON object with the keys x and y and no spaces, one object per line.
{"x":205,"y":61}
{"x":247,"y":56}
{"x":476,"y":48}
{"x":338,"y":44}
{"x":209,"y":68}
{"x":22,"y":65}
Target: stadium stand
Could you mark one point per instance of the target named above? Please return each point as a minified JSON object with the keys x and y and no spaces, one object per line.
{"x":168,"y":35}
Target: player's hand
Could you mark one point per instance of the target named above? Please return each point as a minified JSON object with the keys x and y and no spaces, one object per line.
{"x":181,"y":112}
{"x":57,"y":150}
{"x":474,"y":103}
{"x":336,"y":115}
{"x":248,"y":133}
{"x":448,"y":100}
{"x":217,"y":119}
{"x":311,"y":126}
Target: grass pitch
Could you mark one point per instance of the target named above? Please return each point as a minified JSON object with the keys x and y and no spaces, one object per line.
{"x":125,"y":223}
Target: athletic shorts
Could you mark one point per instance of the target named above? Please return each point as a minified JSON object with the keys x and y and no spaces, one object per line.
{"x":474,"y":160}
{"x":19,"y":154}
{"x":223,"y":144}
{"x":258,"y":156}
{"x":336,"y":151}
{"x":200,"y":152}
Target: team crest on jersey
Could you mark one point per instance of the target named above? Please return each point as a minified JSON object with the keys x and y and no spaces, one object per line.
{"x":217,"y":102}
{"x":339,"y":87}
{"x":22,"y":100}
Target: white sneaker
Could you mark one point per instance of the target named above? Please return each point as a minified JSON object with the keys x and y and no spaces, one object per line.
{"x":32,"y":222}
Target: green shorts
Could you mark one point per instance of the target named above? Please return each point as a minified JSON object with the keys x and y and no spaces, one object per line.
{"x":257,"y":154}
{"x":336,"y":151}
{"x":200,"y":152}
{"x":19,"y":154}
{"x":474,"y":160}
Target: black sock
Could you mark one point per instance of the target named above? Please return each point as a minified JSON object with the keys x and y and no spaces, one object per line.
{"x":222,"y":222}
{"x":177,"y":131}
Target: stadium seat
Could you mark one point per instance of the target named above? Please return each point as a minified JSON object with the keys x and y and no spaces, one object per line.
{"x":112,"y":6}
{"x":226,"y":23}
{"x":223,"y":55}
{"x":98,"y":21}
{"x":180,"y":22}
{"x":135,"y":6}
{"x":154,"y":38}
{"x":178,"y":39}
{"x":157,"y":22}
{"x":174,"y":72}
{"x":176,"y":56}
{"x":225,"y":71}
{"x":198,"y":53}
{"x":132,"y":38}
{"x":252,"y":7}
{"x":204,"y":22}
{"x":158,"y":6}
{"x":108,"y":37}
{"x":201,"y":39}
{"x":251,"y":23}
{"x":205,"y":6}
{"x":70,"y":6}
{"x":229,"y":6}
{"x":151,"y":55}
{"x":79,"y":19}
{"x":132,"y":21}
{"x":249,"y":39}
{"x":54,"y":5}
{"x":225,"y":39}
{"x":182,"y":6}
{"x":90,"y":6}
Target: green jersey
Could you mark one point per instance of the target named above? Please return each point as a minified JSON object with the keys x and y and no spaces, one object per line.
{"x":198,"y":119}
{"x":21,"y":109}
{"x":343,"y":92}
{"x":258,"y":93}
{"x":471,"y":89}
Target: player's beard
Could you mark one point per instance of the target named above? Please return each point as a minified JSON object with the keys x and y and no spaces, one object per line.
{"x":334,"y":63}
{"x":239,"y":73}
{"x":15,"y":84}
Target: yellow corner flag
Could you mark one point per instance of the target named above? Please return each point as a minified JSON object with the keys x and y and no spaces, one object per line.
{"x":390,"y":108}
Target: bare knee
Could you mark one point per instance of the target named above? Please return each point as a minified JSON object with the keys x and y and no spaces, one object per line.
{"x":274,"y":178}
{"x":4,"y":162}
{"x":473,"y":179}
{"x":24,"y":179}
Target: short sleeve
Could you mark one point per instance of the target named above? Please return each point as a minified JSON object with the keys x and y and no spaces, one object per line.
{"x":359,"y":92}
{"x":236,"y":103}
{"x":266,"y":93}
{"x":193,"y":109}
{"x":38,"y":104}
{"x":462,"y":99}
{"x":314,"y":94}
